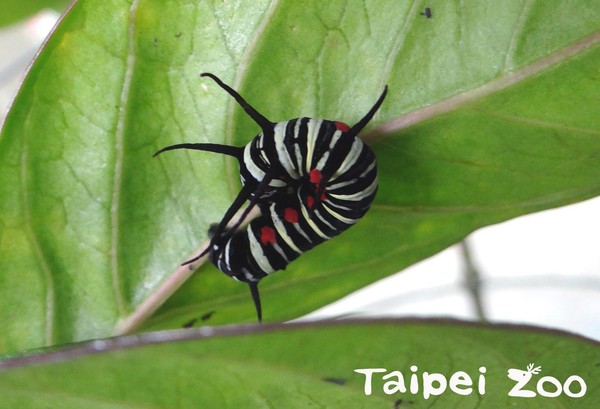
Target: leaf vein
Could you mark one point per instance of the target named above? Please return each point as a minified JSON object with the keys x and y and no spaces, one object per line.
{"x":37,"y":249}
{"x":508,"y":58}
{"x":242,"y":70}
{"x":399,"y":43}
{"x":118,"y":163}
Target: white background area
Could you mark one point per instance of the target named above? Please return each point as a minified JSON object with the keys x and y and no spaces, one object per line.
{"x":542,"y":269}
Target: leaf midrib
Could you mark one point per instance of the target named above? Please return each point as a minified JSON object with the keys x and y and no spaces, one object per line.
{"x":471,"y":95}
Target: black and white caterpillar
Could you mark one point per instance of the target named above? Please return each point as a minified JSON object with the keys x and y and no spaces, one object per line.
{"x":311,"y":179}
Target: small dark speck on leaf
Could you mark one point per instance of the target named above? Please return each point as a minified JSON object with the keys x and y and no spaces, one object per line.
{"x":155,"y":42}
{"x":190,"y":323}
{"x":400,"y":401}
{"x":203,"y":317}
{"x":207,"y":316}
{"x":337,"y":381}
{"x":178,"y":34}
{"x":427,"y":12}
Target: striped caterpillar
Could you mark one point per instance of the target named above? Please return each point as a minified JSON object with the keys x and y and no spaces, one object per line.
{"x":311,"y":179}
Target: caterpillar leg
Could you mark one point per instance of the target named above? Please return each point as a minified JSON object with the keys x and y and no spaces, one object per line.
{"x":256,"y":298}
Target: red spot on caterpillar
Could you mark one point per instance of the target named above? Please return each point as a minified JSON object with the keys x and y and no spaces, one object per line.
{"x":323,"y":197}
{"x":290,"y":215}
{"x":340,"y":126}
{"x":315,"y":176}
{"x":267,"y":235}
{"x":310,"y":201}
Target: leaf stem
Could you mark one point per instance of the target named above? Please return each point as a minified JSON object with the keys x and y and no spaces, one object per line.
{"x":473,"y":281}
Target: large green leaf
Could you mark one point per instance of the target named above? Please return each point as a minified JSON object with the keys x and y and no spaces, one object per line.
{"x":491,"y":114}
{"x":300,"y":366}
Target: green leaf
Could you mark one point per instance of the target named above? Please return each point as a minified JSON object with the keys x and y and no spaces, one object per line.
{"x":15,"y":10}
{"x":491,"y":114}
{"x":300,"y":366}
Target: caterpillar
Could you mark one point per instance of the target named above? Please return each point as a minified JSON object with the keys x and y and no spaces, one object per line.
{"x":310,"y":178}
